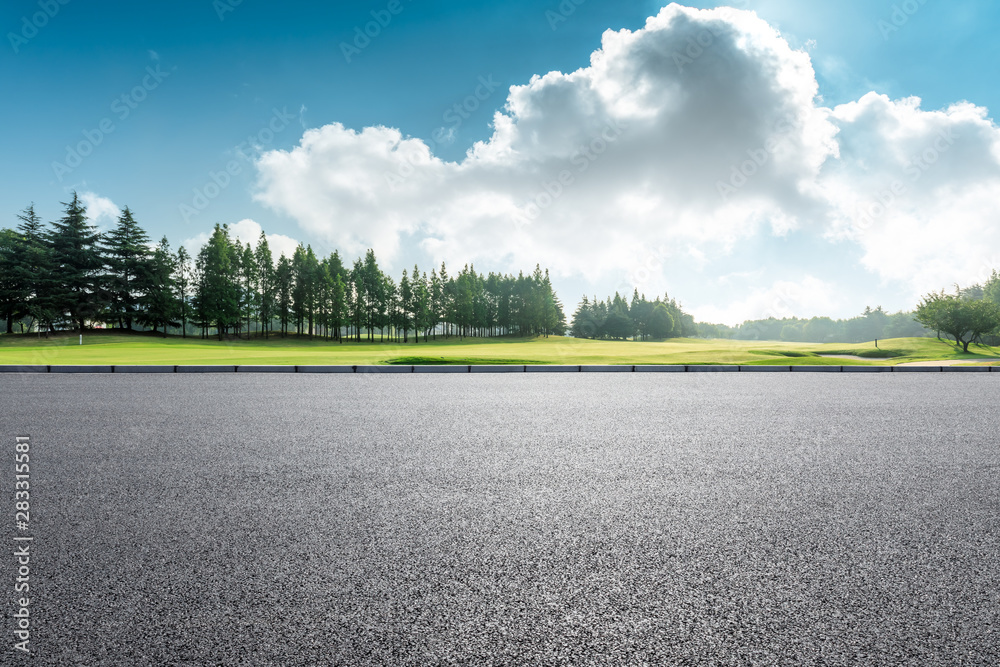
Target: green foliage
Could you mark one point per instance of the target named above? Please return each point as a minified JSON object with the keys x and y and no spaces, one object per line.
{"x":71,"y":275}
{"x":965,"y":319}
{"x":872,"y":324}
{"x":75,"y":266}
{"x":129,"y":276}
{"x":615,"y":319}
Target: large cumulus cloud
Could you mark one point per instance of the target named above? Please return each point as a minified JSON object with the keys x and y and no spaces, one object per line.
{"x":699,"y":131}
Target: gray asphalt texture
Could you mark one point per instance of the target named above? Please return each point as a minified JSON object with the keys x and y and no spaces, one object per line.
{"x":508,"y":519}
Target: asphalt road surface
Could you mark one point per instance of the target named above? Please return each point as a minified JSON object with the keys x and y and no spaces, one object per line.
{"x":679,"y":519}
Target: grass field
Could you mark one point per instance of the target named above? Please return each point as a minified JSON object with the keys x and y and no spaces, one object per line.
{"x":120,"y":349}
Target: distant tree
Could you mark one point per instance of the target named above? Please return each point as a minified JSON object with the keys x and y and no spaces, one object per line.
{"x":661,"y":322}
{"x":819,"y":330}
{"x":991,"y":290}
{"x":791,"y":333}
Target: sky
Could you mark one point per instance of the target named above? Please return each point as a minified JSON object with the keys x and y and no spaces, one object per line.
{"x":765,"y":158}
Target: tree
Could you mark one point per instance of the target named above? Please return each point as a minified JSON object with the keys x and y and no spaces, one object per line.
{"x":217,"y":295}
{"x":661,"y":322}
{"x":183,"y":279}
{"x":76,"y":265}
{"x":406,"y":299}
{"x":265,"y":281}
{"x":964,"y":320}
{"x":249,"y":285}
{"x":159,"y":302}
{"x":819,"y":329}
{"x":991,"y":290}
{"x":283,"y":280}
{"x":32,"y":270}
{"x":127,"y":250}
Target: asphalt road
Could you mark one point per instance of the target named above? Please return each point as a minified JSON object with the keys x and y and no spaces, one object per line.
{"x":684,"y":519}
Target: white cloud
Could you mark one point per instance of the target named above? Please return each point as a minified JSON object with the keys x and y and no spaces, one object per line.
{"x":102,"y":211}
{"x":917,"y":190}
{"x":806,"y":297}
{"x":247,"y":231}
{"x":701,"y":131}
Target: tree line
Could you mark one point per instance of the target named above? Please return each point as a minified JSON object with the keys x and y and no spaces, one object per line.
{"x":617,"y":319}
{"x":872,"y":324}
{"x":68,"y":275}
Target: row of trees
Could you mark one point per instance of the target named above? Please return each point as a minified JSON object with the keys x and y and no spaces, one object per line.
{"x":617,"y":319}
{"x":970,"y":315}
{"x":872,"y":324}
{"x":67,"y":275}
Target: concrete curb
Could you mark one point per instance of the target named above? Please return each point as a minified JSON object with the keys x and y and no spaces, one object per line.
{"x":145,"y":369}
{"x":265,"y":369}
{"x":81,"y":369}
{"x":441,"y":369}
{"x":324,"y":369}
{"x":553,"y":369}
{"x":514,"y":368}
{"x":661,"y":369}
{"x":820,"y":369}
{"x":206,"y":369}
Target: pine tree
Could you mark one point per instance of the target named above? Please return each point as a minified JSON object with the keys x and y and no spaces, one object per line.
{"x":76,"y":266}
{"x":128,"y":256}
{"x":183,"y":280}
{"x":159,"y":305}
{"x":265,"y":280}
{"x":218,"y":294}
{"x":32,"y":271}
{"x":283,"y":282}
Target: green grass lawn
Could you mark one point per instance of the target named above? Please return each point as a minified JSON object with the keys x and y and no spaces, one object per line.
{"x":120,"y":349}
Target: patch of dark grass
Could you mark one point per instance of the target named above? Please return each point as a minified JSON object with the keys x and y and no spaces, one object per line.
{"x":442,"y":361}
{"x":792,"y":354}
{"x":871,"y":354}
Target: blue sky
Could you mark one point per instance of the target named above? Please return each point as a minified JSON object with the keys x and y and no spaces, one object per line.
{"x":184,"y":85}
